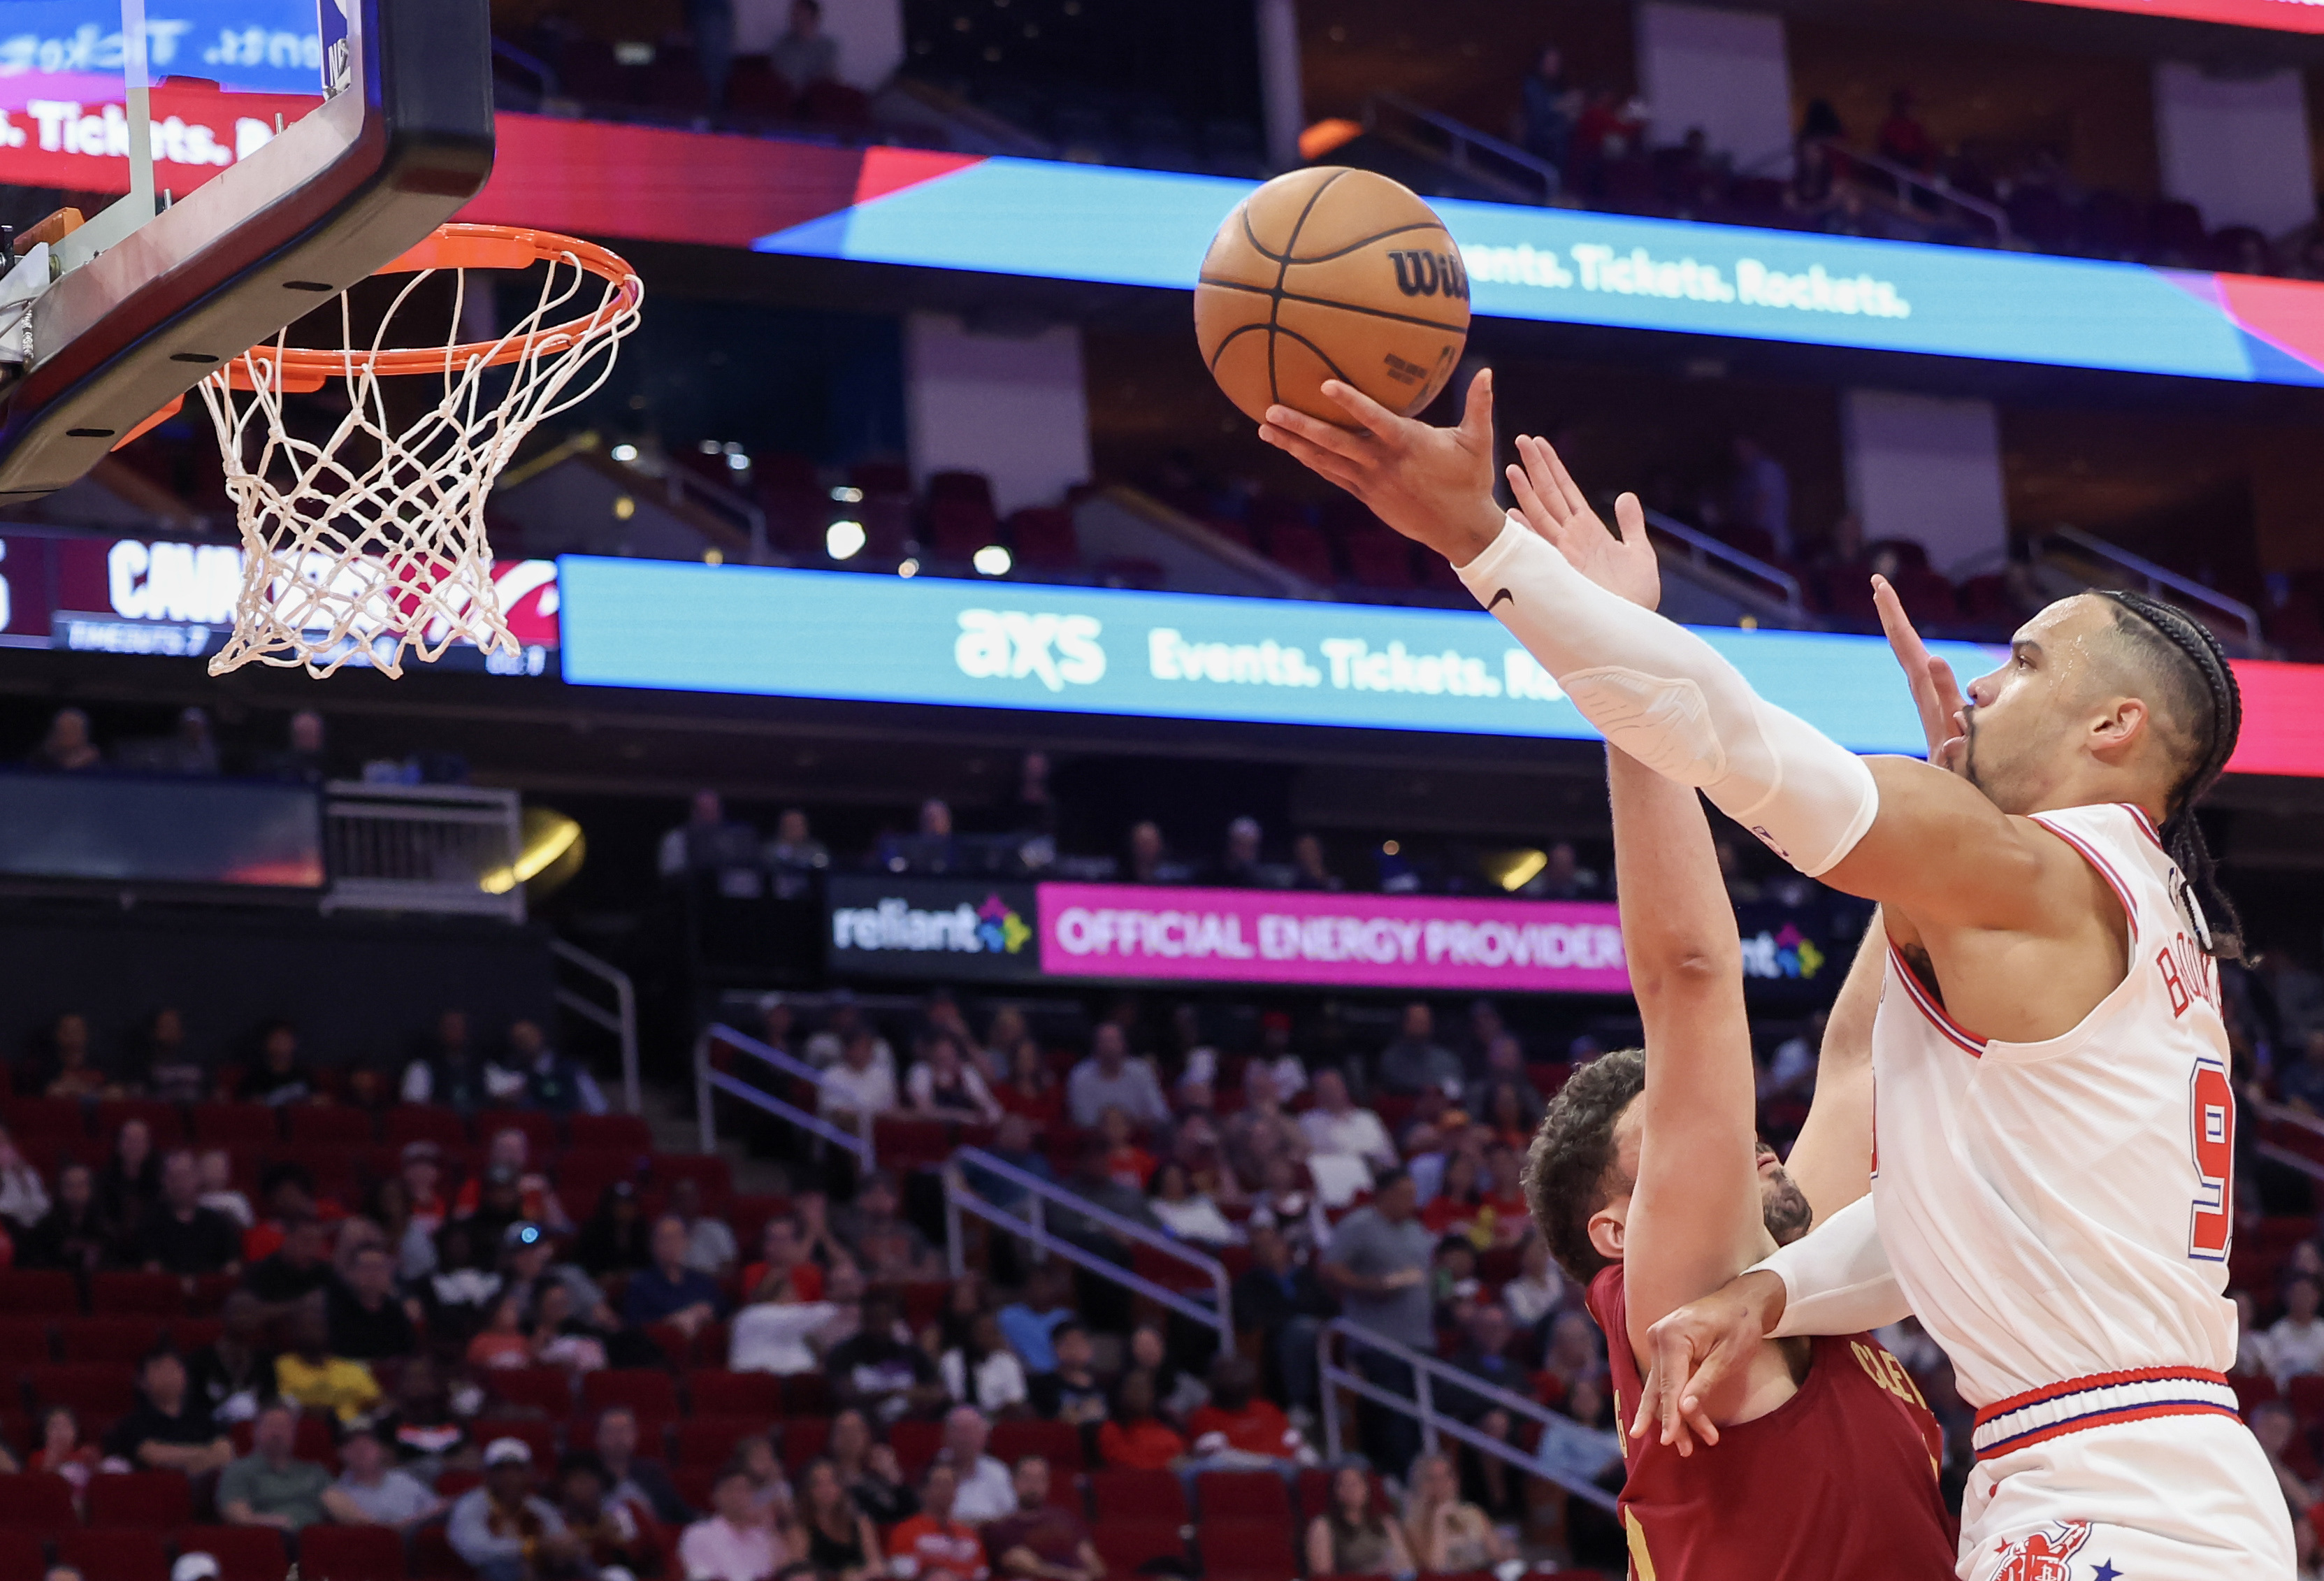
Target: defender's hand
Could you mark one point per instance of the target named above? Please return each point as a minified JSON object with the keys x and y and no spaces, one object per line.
{"x":1696,"y":1349}
{"x":1434,"y":486}
{"x":1555,"y":509}
{"x":1936,"y":692}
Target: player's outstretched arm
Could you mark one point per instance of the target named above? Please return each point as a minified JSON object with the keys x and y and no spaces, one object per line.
{"x":1832,"y":1161}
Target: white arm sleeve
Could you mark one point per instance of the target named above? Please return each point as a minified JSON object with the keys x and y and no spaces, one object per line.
{"x":1836,"y":1277}
{"x":1665,"y":697}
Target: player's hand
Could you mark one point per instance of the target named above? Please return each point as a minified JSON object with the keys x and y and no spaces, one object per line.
{"x":1555,"y":509}
{"x":1434,"y":486}
{"x":1936,"y":692}
{"x":1693,"y":1351}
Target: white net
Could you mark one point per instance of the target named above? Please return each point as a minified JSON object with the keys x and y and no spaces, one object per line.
{"x":364,"y":537}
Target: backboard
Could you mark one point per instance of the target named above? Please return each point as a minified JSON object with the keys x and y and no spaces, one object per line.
{"x":247,"y":206}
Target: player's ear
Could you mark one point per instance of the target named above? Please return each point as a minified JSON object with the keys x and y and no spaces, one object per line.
{"x":1607,"y":1226}
{"x":2120,"y":722}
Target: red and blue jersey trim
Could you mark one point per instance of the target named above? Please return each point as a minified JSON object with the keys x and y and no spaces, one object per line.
{"x":1935,"y":1011}
{"x":2101,"y":1400}
{"x":2106,"y":869}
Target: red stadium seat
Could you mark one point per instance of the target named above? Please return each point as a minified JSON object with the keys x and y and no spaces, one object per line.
{"x":37,"y":1502}
{"x":164,"y":1123}
{"x":1128,"y":1547}
{"x":1249,"y":1550}
{"x":432,"y":1559}
{"x":539,"y":1130}
{"x":2306,"y":1395}
{"x":582,"y":1175}
{"x":116,"y":1554}
{"x":235,"y":1126}
{"x":1058,"y":1443}
{"x":314,"y":1440}
{"x":708,"y":1441}
{"x":916,"y":1443}
{"x":90,"y":1389}
{"x":707,"y":1170}
{"x":645,"y":1390}
{"x":130,"y":1294}
{"x":714,"y":1392}
{"x":409,"y":1122}
{"x":118,"y":1342}
{"x":806,"y":1394}
{"x":149,"y":1501}
{"x":610,"y":1132}
{"x":1242,"y":1495}
{"x":244,"y":1553}
{"x":24,"y":1342}
{"x":1315,"y":1491}
{"x":351,"y":1553}
{"x":330,"y":1124}
{"x":20,"y":1555}
{"x":804,"y":1439}
{"x":694,"y":1483}
{"x":1118,"y":1493}
{"x":60,"y":1119}
{"x":24,"y":1292}
{"x":546,"y":1390}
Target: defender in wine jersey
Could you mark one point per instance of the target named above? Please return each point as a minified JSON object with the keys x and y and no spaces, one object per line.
{"x":1652,"y":1188}
{"x":2075,"y":1277}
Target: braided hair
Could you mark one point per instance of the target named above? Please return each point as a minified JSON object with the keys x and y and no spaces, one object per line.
{"x":2210,"y":913}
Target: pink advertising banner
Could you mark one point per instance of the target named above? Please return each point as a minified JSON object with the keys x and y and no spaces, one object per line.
{"x":1356,"y":941}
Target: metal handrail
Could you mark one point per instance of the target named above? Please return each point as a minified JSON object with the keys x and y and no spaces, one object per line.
{"x":1464,"y":143}
{"x":2275,"y":1151}
{"x":707,"y":1080}
{"x":1711,"y":554}
{"x":621,"y":1021}
{"x":2162,"y":582}
{"x":960,"y":1198}
{"x":1905,"y":177}
{"x":544,"y":75}
{"x":1427,"y":1372}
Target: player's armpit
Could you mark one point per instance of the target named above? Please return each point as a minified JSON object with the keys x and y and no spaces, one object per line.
{"x":1940,"y":852}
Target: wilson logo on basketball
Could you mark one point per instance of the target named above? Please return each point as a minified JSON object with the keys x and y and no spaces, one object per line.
{"x":1426,"y":274}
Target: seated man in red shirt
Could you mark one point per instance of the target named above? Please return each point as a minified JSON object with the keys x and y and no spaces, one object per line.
{"x":1041,"y":1542}
{"x":1239,"y":1423}
{"x":784,"y":1271}
{"x":932,"y":1546}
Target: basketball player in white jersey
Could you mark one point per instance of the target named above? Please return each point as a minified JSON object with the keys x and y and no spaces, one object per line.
{"x":2054,"y":1126}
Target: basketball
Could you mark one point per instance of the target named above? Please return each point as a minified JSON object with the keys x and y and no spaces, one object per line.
{"x":1332,"y":273}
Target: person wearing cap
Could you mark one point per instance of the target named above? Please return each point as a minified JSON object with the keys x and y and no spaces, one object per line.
{"x":422,"y":1165}
{"x":382,"y":1493}
{"x":169,"y":1428}
{"x":194,"y":1565}
{"x":529,"y":1265}
{"x":367,"y":1322}
{"x":511,"y":1151}
{"x":501,"y":1527}
{"x":271,"y":1486}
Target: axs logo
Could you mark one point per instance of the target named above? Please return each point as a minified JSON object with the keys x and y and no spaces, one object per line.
{"x":1009,"y":644}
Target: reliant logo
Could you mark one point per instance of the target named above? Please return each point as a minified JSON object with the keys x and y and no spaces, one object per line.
{"x":1058,"y":651}
{"x":892,"y":924}
{"x":1787,"y":954}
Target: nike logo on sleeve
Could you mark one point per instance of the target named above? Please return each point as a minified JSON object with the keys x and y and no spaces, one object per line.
{"x":1496,"y":600}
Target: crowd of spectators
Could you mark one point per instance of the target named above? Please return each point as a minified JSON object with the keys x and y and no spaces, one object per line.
{"x":191,"y":748}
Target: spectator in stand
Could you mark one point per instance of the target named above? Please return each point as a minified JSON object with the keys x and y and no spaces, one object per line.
{"x":736,"y":1542}
{"x":23,"y":1197}
{"x":1538,"y":1288}
{"x":1504,"y":1197}
{"x":1012,"y":1144}
{"x":1484,"y":1356}
{"x":1073,"y":1392}
{"x":641,"y":1481}
{"x":1262,"y":1129}
{"x":72,"y":1070}
{"x":1186,"y":1213}
{"x":271,"y":1486}
{"x":1460,"y":1193}
{"x":178,"y":1236}
{"x":784,"y":1273}
{"x":2301,"y":1080}
{"x":448,"y":1069}
{"x":2276,"y":1426}
{"x":190,"y":749}
{"x":1126,"y":1163}
{"x":297,"y":1268}
{"x":931,"y":849}
{"x":709,"y":1242}
{"x":1443,"y":1533}
{"x":887,"y":1245}
{"x":1109,"y":1077}
{"x":512,"y":1150}
{"x":877,"y":1371}
{"x":770,"y":1492}
{"x":1791,"y":1070}
{"x":839,"y":1542}
{"x":805,"y":55}
{"x":1030,"y":1090}
{"x":1504,"y":1066}
{"x":62,"y":1454}
{"x":174,"y":1074}
{"x":561,"y":1335}
{"x":501,"y":1529}
{"x":169,"y":1428}
{"x":617,"y":1238}
{"x":1762,"y":497}
{"x":946,"y":1086}
{"x":1133,"y":1437}
{"x":614,"y":1533}
{"x":2252,"y":1357}
{"x":1240,"y":867}
{"x":310,"y":1375}
{"x":1549,"y":102}
{"x":1149,"y":857}
{"x":131,"y":1181}
{"x":712,"y":24}
{"x":708,"y":841}
{"x":983,"y":1372}
{"x":795,"y":845}
{"x":828,"y":1046}
{"x":1561,"y":876}
{"x":1238,"y":1423}
{"x":1354,"y":1535}
{"x":1416,"y":1061}
{"x":1574,"y":1354}
{"x":234,"y":1374}
{"x":2295,"y":1341}
{"x":368,"y":1323}
{"x":1378,"y":1263}
{"x":278,"y":1075}
{"x":1903,"y":140}
{"x":935,"y":1545}
{"x":1309,"y":869}
{"x":74,"y":1234}
{"x":672,"y":1291}
{"x":858,"y":1088}
{"x":1046,"y":1306}
{"x":1040,"y":1541}
{"x":868,"y":1470}
{"x":1287,"y":1305}
{"x":303,"y":760}
{"x":551,"y":1082}
{"x":1336,"y":1128}
{"x":66,"y":747}
{"x":214,"y":1173}
{"x":982,"y":1490}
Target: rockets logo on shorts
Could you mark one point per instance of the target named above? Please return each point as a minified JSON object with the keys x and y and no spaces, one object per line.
{"x":2043,"y":1556}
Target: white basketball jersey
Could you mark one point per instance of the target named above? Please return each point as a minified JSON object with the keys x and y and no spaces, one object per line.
{"x":2058,"y":1209}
